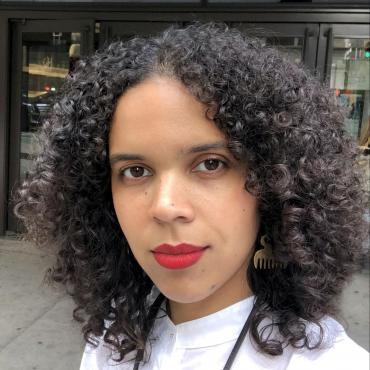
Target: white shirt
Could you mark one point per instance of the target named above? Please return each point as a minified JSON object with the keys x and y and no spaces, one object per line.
{"x":206,"y":343}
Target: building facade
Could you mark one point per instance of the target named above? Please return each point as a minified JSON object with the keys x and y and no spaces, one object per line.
{"x":40,"y":43}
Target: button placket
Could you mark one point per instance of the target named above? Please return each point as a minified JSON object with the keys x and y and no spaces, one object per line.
{"x":170,"y":345}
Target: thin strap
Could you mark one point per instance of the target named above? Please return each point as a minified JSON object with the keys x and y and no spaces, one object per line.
{"x":155,"y":307}
{"x":151,"y":317}
{"x":138,"y":358}
{"x":239,"y":341}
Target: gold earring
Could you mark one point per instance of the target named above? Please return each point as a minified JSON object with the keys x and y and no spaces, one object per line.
{"x":264,"y":258}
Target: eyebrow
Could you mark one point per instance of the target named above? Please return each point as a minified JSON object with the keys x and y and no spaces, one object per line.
{"x":195,"y":149}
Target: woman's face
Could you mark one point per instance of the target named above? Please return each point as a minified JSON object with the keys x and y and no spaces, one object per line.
{"x":176,"y":194}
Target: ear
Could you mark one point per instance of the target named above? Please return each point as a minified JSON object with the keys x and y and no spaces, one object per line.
{"x":211,"y":111}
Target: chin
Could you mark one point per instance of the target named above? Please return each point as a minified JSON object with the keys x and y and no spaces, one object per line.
{"x":185,"y":296}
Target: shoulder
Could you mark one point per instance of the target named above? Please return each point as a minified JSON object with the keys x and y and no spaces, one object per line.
{"x":95,"y":358}
{"x":102,"y":358}
{"x":338,"y":352}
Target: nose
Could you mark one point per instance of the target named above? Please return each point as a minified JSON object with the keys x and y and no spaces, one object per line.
{"x":171,"y":200}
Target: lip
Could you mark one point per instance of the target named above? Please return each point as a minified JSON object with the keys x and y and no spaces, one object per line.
{"x":178,"y":257}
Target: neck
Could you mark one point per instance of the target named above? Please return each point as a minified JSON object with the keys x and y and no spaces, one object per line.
{"x":225,"y":296}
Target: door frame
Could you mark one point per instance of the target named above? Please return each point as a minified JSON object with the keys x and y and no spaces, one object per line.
{"x":347,"y":14}
{"x":18,"y":28}
{"x":308,"y":31}
{"x":328,"y":31}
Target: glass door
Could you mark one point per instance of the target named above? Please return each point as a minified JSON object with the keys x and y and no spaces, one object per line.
{"x":297,"y":41}
{"x":44,"y":53}
{"x":111,"y":31}
{"x":344,"y":62}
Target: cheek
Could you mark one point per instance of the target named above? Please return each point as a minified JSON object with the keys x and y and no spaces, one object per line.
{"x":239,"y":206}
{"x":243,"y":218}
{"x":126,"y":212}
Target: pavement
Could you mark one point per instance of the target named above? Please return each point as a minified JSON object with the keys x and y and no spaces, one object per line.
{"x":37,"y":331}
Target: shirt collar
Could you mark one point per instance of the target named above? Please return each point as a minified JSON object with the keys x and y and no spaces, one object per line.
{"x":220,"y":327}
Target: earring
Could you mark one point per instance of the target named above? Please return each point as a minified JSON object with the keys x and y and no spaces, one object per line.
{"x":264,"y":258}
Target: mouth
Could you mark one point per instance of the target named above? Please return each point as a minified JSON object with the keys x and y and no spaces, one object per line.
{"x":178,"y":257}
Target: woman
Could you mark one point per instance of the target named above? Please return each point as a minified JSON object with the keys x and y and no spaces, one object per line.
{"x":206,"y":204}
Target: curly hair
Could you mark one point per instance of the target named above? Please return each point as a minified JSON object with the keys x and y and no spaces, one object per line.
{"x":277,"y":117}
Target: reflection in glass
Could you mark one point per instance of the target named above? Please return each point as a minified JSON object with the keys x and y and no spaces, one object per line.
{"x":291,"y":46}
{"x":350,"y":80}
{"x":47,"y":58}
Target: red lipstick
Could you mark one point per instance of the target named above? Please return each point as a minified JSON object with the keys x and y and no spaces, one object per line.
{"x":179,"y":256}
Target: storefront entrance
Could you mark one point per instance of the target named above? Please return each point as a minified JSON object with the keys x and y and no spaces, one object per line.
{"x":45,"y":51}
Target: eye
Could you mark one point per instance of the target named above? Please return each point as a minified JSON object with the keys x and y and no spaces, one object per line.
{"x":212,"y":164}
{"x":135,"y":172}
{"x":138,"y":172}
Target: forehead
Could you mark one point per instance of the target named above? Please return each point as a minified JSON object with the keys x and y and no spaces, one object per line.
{"x":161,"y":111}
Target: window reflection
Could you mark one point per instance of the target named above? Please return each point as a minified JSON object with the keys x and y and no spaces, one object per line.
{"x":291,"y":47}
{"x":47,"y":58}
{"x":350,"y":81}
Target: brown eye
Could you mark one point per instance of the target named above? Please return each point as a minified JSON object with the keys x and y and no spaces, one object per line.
{"x":212,"y":164}
{"x":133,"y":172}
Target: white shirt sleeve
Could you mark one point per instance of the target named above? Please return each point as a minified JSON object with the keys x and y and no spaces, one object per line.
{"x":95,"y":358}
{"x":343,"y":354}
{"x":103,"y":358}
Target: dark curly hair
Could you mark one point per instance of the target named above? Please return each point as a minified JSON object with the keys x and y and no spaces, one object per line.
{"x":277,"y":117}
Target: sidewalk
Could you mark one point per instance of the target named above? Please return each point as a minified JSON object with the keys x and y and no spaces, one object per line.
{"x":36,"y":326}
{"x":37,"y":331}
